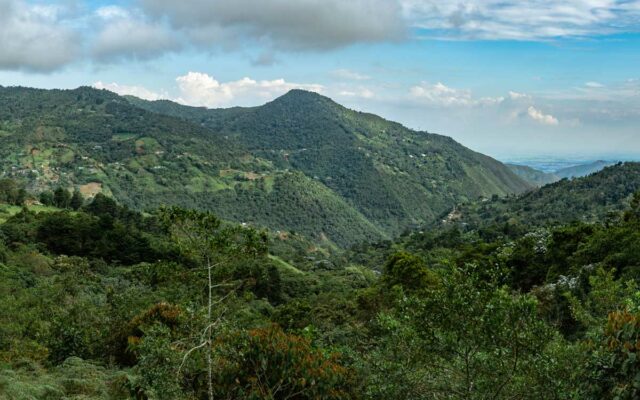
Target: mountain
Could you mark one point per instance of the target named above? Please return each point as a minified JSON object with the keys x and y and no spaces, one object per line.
{"x":583,"y":169}
{"x":532,"y":175}
{"x":300,"y":163}
{"x":587,"y":199}
{"x":393,"y":175}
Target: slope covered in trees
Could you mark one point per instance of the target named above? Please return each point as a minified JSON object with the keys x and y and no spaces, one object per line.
{"x":393,"y":175}
{"x":369,"y":178}
{"x":583,"y":169}
{"x":533,"y":176}
{"x":107,"y":303}
{"x":588,"y":199}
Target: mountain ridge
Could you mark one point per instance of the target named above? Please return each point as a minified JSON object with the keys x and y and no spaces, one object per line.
{"x":591,"y":198}
{"x":372,"y":178}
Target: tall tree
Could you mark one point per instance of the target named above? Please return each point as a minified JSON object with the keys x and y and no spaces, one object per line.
{"x":77,"y":200}
{"x":46,"y":198}
{"x":61,"y":198}
{"x":212,"y":245}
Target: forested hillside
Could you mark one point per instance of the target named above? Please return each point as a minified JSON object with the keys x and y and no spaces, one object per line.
{"x":532,"y":175}
{"x":583,"y":170}
{"x":295,"y":288}
{"x":103,"y":302}
{"x":588,"y":199}
{"x":394,"y":176}
{"x":300,"y":164}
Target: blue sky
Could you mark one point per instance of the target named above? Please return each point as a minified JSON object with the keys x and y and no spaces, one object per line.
{"x":504,"y":77}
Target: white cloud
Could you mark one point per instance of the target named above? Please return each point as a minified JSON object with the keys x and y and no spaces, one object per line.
{"x":297,"y":25}
{"x":202,"y":90}
{"x":349,"y":75}
{"x":127,"y":35}
{"x":199,"y":89}
{"x":361,"y":92}
{"x":523,"y":20}
{"x":594,"y":85}
{"x":539,"y":116}
{"x":441,"y":95}
{"x":33,"y":37}
{"x":518,"y":96}
{"x":137,"y":91}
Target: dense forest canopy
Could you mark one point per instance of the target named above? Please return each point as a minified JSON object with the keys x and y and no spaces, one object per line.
{"x":100,"y":301}
{"x":301,"y":164}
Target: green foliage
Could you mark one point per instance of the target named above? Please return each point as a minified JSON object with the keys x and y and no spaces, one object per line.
{"x":46,"y":198}
{"x":156,"y":367}
{"x":614,"y":367}
{"x":11,"y":192}
{"x":523,"y":297}
{"x":77,"y":200}
{"x":409,"y":271}
{"x":533,"y":176}
{"x":266,"y":363}
{"x":589,"y":199}
{"x":74,"y":379}
{"x":299,"y":164}
{"x":469,"y":337}
{"x":61,"y":198}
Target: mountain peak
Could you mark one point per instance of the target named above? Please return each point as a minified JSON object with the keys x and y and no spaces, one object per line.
{"x":303,"y":97}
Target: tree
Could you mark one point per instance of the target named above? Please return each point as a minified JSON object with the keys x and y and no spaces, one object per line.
{"x":61,"y":198}
{"x":408,"y":270}
{"x":11,"y":192}
{"x":103,"y":206}
{"x":267,"y":363}
{"x":212,"y":245}
{"x":613,"y":372}
{"x":77,"y":200}
{"x":469,"y":337}
{"x":46,"y":198}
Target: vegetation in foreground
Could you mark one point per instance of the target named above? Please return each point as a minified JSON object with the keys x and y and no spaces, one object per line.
{"x":103,"y":302}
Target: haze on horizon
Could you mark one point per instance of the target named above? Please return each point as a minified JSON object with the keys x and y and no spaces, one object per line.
{"x":502,"y":77}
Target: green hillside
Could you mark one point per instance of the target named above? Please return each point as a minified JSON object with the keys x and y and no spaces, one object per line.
{"x":532,"y":175}
{"x":102,"y":302}
{"x":583,"y":169}
{"x":300,"y":163}
{"x":394,"y":176}
{"x":588,"y":199}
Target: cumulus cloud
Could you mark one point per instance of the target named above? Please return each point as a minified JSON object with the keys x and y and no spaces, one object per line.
{"x":33,"y":37}
{"x":539,"y":116}
{"x":202,"y":90}
{"x":45,"y":36}
{"x":518,"y":96}
{"x":293,"y":25}
{"x":137,"y":91}
{"x":523,"y":20}
{"x":360,"y":92}
{"x":124,"y":34}
{"x":441,"y":95}
{"x":199,"y":89}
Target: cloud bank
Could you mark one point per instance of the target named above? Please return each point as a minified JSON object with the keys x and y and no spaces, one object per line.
{"x":48,"y":36}
{"x":292,"y":25}
{"x":124,"y":35}
{"x":522,"y":20}
{"x":35,"y":37}
{"x":202,"y":90}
